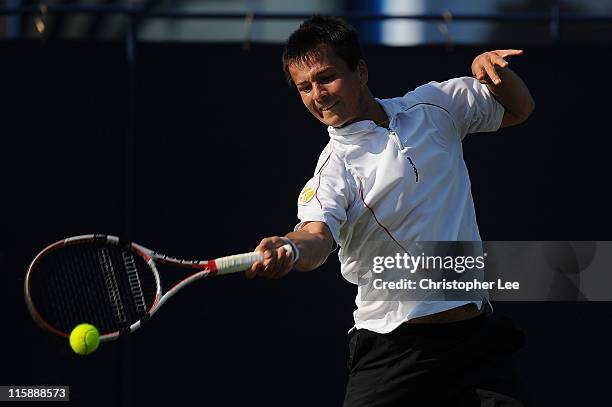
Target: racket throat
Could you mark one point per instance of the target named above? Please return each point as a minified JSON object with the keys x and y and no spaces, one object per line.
{"x":212,"y":267}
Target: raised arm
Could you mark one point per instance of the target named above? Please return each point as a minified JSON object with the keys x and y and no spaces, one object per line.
{"x":313,"y":241}
{"x":491,"y":68}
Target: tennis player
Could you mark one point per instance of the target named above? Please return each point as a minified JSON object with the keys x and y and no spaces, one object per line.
{"x":393,"y":170}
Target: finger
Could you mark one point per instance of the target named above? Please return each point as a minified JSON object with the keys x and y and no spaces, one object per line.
{"x":480,"y":73}
{"x":499,"y":61}
{"x":276,"y":268}
{"x":283,"y":254}
{"x":256,"y":267}
{"x":492,"y":73}
{"x":269,"y":258}
{"x":508,"y":52}
{"x":253,"y":270}
{"x":279,"y":267}
{"x":285,"y":259}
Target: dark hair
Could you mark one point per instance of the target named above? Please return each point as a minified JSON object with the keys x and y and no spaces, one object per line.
{"x":305,"y":42}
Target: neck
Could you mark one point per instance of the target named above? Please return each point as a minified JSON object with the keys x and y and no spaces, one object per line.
{"x":371,"y":110}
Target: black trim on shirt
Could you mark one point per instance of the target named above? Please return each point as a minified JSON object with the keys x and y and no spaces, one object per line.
{"x":428,"y":104}
{"x":323,"y":165}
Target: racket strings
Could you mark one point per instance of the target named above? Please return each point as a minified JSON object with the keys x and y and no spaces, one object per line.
{"x":65,"y":294}
{"x":105,"y":285}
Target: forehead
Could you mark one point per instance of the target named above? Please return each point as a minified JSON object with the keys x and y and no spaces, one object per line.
{"x":316,"y":61}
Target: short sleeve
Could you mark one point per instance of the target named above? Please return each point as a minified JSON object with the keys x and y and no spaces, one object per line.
{"x":325,"y":196}
{"x":470,"y":103}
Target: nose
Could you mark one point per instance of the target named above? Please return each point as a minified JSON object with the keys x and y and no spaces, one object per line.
{"x":319,"y":93}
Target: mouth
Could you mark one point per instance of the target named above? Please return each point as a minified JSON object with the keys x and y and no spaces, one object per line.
{"x":324,"y":109}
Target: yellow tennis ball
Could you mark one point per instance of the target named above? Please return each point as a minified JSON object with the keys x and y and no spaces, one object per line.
{"x":84,"y":339}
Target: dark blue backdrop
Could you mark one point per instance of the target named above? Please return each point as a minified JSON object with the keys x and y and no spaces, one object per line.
{"x":223,"y":148}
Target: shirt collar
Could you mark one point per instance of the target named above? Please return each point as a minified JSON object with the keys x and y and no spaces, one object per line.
{"x":363,"y":127}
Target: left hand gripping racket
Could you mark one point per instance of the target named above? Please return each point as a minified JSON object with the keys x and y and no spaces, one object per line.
{"x":112,"y":284}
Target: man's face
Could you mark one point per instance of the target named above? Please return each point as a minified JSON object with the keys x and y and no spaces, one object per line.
{"x":329,"y":89}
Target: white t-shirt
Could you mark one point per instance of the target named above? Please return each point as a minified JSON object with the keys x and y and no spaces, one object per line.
{"x":408,"y":183}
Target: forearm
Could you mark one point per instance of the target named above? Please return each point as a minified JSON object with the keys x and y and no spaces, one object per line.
{"x":513,"y":95}
{"x":314,"y":248}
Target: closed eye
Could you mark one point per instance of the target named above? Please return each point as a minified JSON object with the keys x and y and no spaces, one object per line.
{"x":327,"y":78}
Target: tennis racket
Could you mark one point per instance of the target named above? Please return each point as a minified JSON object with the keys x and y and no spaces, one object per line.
{"x":112,"y":284}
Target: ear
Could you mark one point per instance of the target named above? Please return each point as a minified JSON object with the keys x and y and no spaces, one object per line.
{"x":362,"y":71}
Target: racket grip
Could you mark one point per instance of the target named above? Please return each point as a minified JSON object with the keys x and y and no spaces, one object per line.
{"x":241,"y":262}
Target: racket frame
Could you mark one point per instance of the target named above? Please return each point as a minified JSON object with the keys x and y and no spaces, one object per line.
{"x":230,"y":264}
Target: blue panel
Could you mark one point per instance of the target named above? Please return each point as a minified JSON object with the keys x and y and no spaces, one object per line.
{"x":370,"y":32}
{"x":14,"y":21}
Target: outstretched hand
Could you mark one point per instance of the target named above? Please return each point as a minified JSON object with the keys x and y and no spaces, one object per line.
{"x":485,"y":66}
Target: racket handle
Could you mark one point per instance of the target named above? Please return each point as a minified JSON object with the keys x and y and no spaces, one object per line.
{"x":241,"y":262}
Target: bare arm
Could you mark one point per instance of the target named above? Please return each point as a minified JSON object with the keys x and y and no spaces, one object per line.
{"x":491,"y":68}
{"x":314,"y":242}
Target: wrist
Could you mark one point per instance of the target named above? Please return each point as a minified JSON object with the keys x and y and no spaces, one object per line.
{"x":294,"y":249}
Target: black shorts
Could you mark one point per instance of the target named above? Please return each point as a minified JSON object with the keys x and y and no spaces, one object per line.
{"x":467,"y":363}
